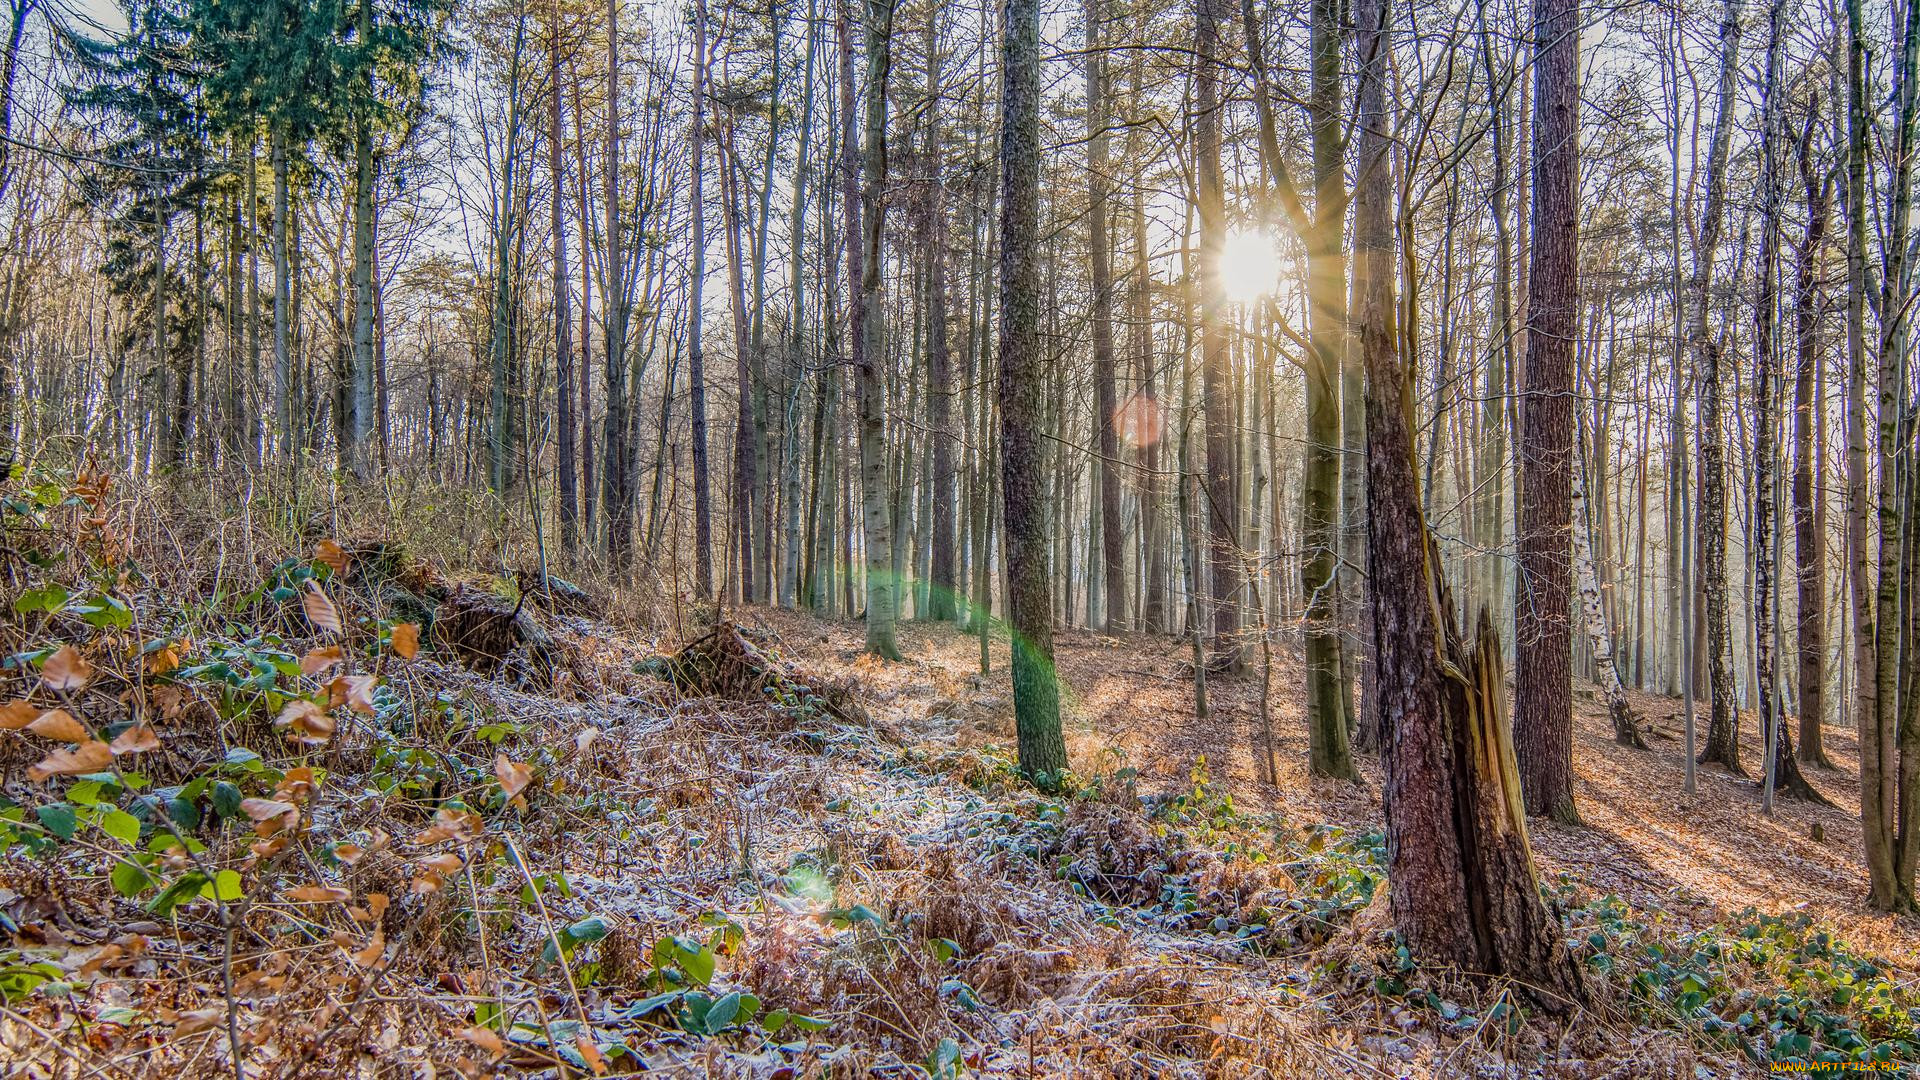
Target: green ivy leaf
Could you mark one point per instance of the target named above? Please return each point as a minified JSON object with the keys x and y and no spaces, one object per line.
{"x":588,"y":929}
{"x":226,"y":799}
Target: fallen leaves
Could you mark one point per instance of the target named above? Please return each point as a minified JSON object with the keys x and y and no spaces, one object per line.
{"x":192,"y":1023}
{"x":66,"y":670}
{"x":319,"y":660}
{"x":270,"y":816}
{"x":513,"y":776}
{"x":305,"y":722}
{"x":15,"y":715}
{"x":332,"y":554}
{"x":60,"y":726}
{"x":435,"y":871}
{"x":162,"y":660}
{"x":88,"y":757}
{"x":450,"y":823}
{"x":320,"y":610}
{"x":137,"y":739}
{"x":486,"y":1039}
{"x":353,"y":691}
{"x":405,"y":640}
{"x":317,"y":894}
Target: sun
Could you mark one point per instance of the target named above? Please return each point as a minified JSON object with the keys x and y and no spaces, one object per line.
{"x":1249,"y":265}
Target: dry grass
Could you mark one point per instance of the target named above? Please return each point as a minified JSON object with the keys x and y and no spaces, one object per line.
{"x":847,"y":833}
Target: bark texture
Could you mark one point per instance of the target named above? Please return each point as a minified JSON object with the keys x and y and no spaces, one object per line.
{"x":1543,"y":687}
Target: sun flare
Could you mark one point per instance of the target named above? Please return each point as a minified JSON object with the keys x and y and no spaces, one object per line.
{"x":1249,"y":265}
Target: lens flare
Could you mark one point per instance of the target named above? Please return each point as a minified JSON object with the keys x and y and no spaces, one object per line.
{"x":1139,"y":421}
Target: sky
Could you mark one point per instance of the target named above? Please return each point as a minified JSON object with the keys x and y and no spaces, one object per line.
{"x":104,"y":12}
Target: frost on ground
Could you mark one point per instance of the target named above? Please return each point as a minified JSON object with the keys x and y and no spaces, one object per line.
{"x":358,"y":829}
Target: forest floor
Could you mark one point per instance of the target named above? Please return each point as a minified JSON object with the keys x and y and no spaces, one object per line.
{"x":1128,"y":701}
{"x":752,"y":851}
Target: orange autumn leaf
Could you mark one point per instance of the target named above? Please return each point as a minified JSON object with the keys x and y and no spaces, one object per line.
{"x":348,"y":853}
{"x":59,"y":725}
{"x":305,"y":722}
{"x":513,"y":776}
{"x":451,"y":824}
{"x":163,"y":660}
{"x":319,"y":660}
{"x":317,"y":894}
{"x":93,"y":756}
{"x":15,"y":715}
{"x":135,"y":740}
{"x":331,"y":553}
{"x":265,"y":809}
{"x":443,"y":864}
{"x":590,"y":1054}
{"x":353,"y":691}
{"x":486,"y":1039}
{"x":190,"y":1023}
{"x":375,"y":949}
{"x":66,"y":669}
{"x":405,"y":640}
{"x":320,"y":610}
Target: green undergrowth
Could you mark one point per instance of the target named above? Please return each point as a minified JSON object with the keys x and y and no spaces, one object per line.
{"x":1778,"y":988}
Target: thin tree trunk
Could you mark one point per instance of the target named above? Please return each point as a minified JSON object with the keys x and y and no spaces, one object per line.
{"x":1219,"y":492}
{"x":869,"y":332}
{"x":1723,"y":724}
{"x":696,"y":283}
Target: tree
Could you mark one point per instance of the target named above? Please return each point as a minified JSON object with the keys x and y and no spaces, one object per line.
{"x":140,"y":87}
{"x":1220,"y":490}
{"x":1463,"y":887}
{"x":696,"y":284}
{"x":278,"y":69}
{"x":563,"y":366}
{"x":1543,"y":689}
{"x":1809,"y":532}
{"x":943,"y":584}
{"x":1723,"y":723}
{"x":1036,"y":696}
{"x":1112,"y":577}
{"x":869,"y":333}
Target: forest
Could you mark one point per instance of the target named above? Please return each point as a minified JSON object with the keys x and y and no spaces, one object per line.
{"x":829,"y":538}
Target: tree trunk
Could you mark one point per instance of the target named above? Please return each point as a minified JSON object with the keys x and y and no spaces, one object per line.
{"x":1464,"y":892}
{"x":1220,"y":490}
{"x":1594,"y":611}
{"x":1113,"y":578}
{"x":1543,"y":690}
{"x":1723,"y":724}
{"x":1809,"y":539}
{"x":616,"y":483}
{"x":942,"y":582}
{"x":696,"y":357}
{"x":790,"y":567}
{"x":869,"y":358}
{"x":359,"y":428}
{"x":563,"y":377}
{"x":1036,"y":696}
{"x":282,"y":297}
